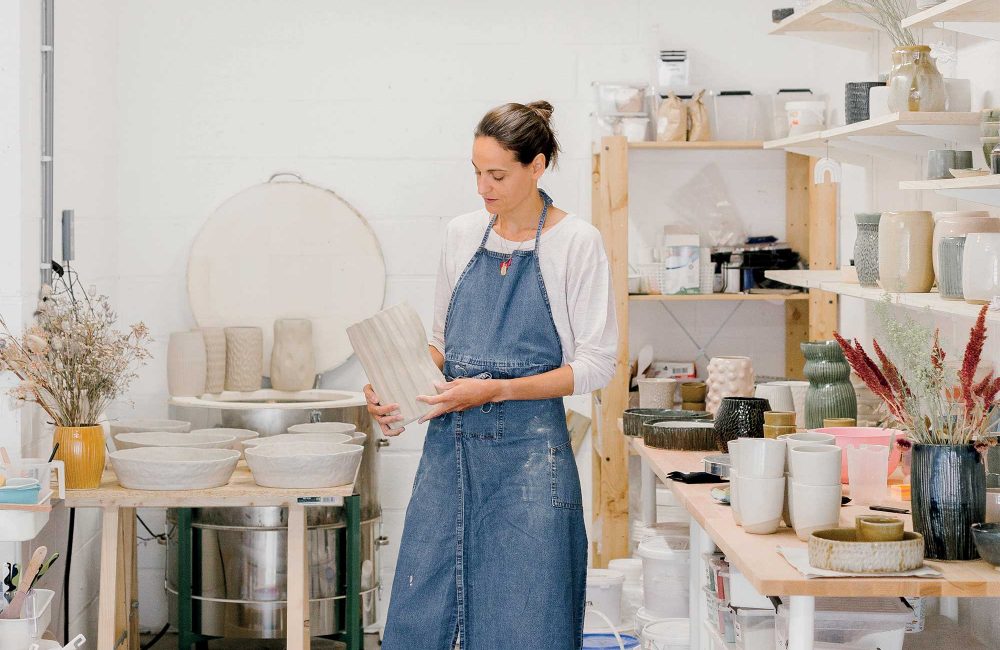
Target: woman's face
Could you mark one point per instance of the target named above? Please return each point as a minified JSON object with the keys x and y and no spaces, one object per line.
{"x":501,"y":180}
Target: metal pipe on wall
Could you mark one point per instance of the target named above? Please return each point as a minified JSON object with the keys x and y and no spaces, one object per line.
{"x":47,"y":104}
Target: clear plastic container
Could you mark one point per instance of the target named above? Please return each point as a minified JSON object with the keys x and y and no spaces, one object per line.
{"x":863,"y":622}
{"x":736,"y":116}
{"x":719,"y":578}
{"x":754,"y":628}
{"x":623,"y":99}
{"x":742,"y":594}
{"x":709,"y":560}
{"x":665,"y":578}
{"x":721,"y":617}
{"x":37,"y":614}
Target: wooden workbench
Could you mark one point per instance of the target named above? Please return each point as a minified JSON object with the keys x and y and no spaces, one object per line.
{"x":118,"y":622}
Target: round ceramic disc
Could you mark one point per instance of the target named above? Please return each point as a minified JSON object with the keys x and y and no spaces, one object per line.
{"x":287,"y":250}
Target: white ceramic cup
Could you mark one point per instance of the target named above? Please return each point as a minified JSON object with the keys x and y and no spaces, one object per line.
{"x":734,"y":496}
{"x":761,"y":503}
{"x":816,"y":464}
{"x":656,"y":392}
{"x":793,"y":440}
{"x":799,"y":390}
{"x":762,"y":458}
{"x":735,"y":460}
{"x":779,"y":396}
{"x":814,"y":507}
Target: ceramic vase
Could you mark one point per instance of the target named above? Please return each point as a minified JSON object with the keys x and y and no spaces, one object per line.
{"x":81,"y":449}
{"x":392,"y":348}
{"x":953,"y":224}
{"x":244,"y":358}
{"x":215,"y":359}
{"x":981,"y":267}
{"x":779,"y":396}
{"x":915,"y":84}
{"x":656,"y":392}
{"x":830,"y":393}
{"x":728,"y":377}
{"x":739,"y":417}
{"x":186,"y":365}
{"x":948,"y":495}
{"x":904,"y":252}
{"x":951,"y":251}
{"x":799,"y":391}
{"x":866,"y":248}
{"x":293,"y":357}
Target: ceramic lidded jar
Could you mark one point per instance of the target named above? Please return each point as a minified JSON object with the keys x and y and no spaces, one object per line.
{"x":830,"y":394}
{"x":905,"y":260}
{"x":915,"y":83}
{"x":293,"y":357}
{"x":728,"y":377}
{"x":866,"y":248}
{"x":953,"y":224}
{"x":951,"y":251}
{"x":981,"y":267}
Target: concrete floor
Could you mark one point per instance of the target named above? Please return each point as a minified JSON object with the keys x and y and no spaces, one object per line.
{"x":169,"y":642}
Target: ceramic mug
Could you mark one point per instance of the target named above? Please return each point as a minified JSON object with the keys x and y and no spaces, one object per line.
{"x":762,"y":458}
{"x":761,"y":503}
{"x":780,"y":418}
{"x":793,"y":440}
{"x":656,"y":392}
{"x":815,"y":464}
{"x":814,"y":507}
{"x":981,"y":267}
{"x":839,"y":422}
{"x":874,"y":528}
{"x":735,"y":459}
{"x":772,"y":431}
{"x":695,"y":391}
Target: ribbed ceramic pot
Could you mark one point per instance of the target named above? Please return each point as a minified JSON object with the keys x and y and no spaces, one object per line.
{"x":215,"y":359}
{"x":81,"y":449}
{"x":244,"y":358}
{"x":739,"y":417}
{"x":684,"y":436}
{"x":866,"y":248}
{"x":981,"y":267}
{"x":728,"y":377}
{"x":635,"y":419}
{"x":293,"y":357}
{"x":186,"y":364}
{"x":830,"y":393}
{"x":950,"y":253}
{"x":947,"y":496}
{"x":953,"y":224}
{"x":905,"y":260}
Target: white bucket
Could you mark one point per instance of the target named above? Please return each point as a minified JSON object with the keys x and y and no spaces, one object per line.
{"x":805,"y":117}
{"x":604,"y":593}
{"x":665,"y":579}
{"x":634,"y":128}
{"x":677,"y":534}
{"x":644,"y":617}
{"x":630,"y":567}
{"x":669,"y":634}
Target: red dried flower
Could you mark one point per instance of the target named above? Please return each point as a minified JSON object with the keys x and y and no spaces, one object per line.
{"x":904,"y":443}
{"x":973,"y":354}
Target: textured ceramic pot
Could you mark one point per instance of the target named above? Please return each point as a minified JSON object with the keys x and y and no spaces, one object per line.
{"x":866,"y":248}
{"x":981,"y":267}
{"x":948,"y":496}
{"x":304,"y":464}
{"x":728,"y":377}
{"x":905,"y":252}
{"x":953,"y":224}
{"x":739,"y":417}
{"x":633,"y":420}
{"x":215,"y":359}
{"x":987,"y":538}
{"x":392,"y":348}
{"x":656,"y":392}
{"x":244,"y":358}
{"x":838,"y":549}
{"x":915,"y":83}
{"x":780,"y":397}
{"x":293,"y":357}
{"x":81,"y":449}
{"x":949,"y":273}
{"x":830,"y":393}
{"x":687,"y":436}
{"x":186,"y":364}
{"x":177,"y":468}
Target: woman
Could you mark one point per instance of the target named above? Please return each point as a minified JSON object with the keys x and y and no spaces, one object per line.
{"x":494,"y":551}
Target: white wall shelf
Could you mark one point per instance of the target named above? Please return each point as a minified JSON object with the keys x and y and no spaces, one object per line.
{"x":978,"y":189}
{"x":828,"y":21}
{"x":976,"y":17}
{"x":711,"y":145}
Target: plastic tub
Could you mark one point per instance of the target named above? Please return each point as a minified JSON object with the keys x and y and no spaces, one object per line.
{"x":863,"y":622}
{"x":677,"y":535}
{"x":21,"y":525}
{"x":805,"y":117}
{"x":630,"y":567}
{"x":644,"y":617}
{"x":604,"y":593}
{"x":665,"y":579}
{"x":721,"y":617}
{"x":21,"y":491}
{"x":754,"y":628}
{"x":853,"y":436}
{"x":608,"y":641}
{"x":742,"y":594}
{"x":737,"y":116}
{"x":669,"y":634}
{"x":719,"y":578}
{"x":19,"y":633}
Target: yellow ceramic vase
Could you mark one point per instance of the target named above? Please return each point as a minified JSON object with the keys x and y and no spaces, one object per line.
{"x":82,"y":451}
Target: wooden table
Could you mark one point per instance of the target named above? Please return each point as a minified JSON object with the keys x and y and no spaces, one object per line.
{"x":757,"y":558}
{"x":119,"y":614}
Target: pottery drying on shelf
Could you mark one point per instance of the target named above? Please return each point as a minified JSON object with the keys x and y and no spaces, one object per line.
{"x":296,"y":438}
{"x":207,"y":440}
{"x":981,"y":267}
{"x":837,"y":549}
{"x":950,"y":253}
{"x":905,"y":252}
{"x":137,"y":425}
{"x":392,"y":348}
{"x":215,"y":359}
{"x":799,"y":391}
{"x":244,"y":358}
{"x":293,"y":358}
{"x":866,"y":248}
{"x":186,"y":364}
{"x":728,"y":377}
{"x":686,"y":436}
{"x":239,"y":435}
{"x":954,"y":224}
{"x":357,"y":437}
{"x":304,"y":464}
{"x":174,"y":468}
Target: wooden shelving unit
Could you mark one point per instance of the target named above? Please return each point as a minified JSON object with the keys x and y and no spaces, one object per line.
{"x":978,"y":189}
{"x":976,"y":17}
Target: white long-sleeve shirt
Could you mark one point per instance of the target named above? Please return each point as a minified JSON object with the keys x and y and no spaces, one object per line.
{"x":577,"y":280}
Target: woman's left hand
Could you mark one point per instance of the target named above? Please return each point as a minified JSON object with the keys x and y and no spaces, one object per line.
{"x":459,"y":395}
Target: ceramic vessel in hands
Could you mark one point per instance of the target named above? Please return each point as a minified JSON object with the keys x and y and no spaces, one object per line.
{"x":905,"y":252}
{"x":174,"y":468}
{"x":304,"y":464}
{"x":728,"y":377}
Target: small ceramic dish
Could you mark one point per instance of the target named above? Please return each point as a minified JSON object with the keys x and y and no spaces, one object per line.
{"x":304,"y":464}
{"x":173,"y":468}
{"x":720,"y":494}
{"x":680,"y":435}
{"x":969,"y":173}
{"x":717,"y":464}
{"x":838,"y":549}
{"x":207,"y":440}
{"x":875,"y":528}
{"x":987,"y":539}
{"x":295,"y":438}
{"x":22,"y":491}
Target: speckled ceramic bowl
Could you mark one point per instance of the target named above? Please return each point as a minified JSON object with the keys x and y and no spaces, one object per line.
{"x":838,"y":549}
{"x":304,"y":464}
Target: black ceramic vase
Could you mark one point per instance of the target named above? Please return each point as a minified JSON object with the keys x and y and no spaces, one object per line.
{"x":948,"y":495}
{"x":740,"y":417}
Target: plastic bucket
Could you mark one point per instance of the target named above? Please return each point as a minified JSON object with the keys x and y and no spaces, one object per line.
{"x":20,"y":632}
{"x":630,"y":567}
{"x":665,"y":574}
{"x":604,"y":593}
{"x":609,"y":642}
{"x":805,"y":117}
{"x":669,"y":634}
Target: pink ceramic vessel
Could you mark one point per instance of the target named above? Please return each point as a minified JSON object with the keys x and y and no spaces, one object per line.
{"x":855,"y":436}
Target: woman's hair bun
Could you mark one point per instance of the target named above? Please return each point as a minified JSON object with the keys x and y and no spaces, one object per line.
{"x":542,"y":108}
{"x":525,"y":129}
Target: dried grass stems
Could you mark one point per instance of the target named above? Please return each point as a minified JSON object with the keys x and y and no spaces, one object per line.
{"x":888,"y":15}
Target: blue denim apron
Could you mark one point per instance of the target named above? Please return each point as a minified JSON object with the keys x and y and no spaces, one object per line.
{"x":494,"y":550}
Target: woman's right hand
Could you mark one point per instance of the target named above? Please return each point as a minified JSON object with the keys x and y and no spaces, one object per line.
{"x":385,"y":415}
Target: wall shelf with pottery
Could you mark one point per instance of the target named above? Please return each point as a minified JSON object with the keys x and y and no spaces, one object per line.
{"x":706,"y":144}
{"x":726,"y":297}
{"x":976,"y":17}
{"x":978,"y":189}
{"x":828,"y":21}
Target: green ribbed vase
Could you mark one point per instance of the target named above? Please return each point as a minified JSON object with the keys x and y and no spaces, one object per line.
{"x":830,"y":393}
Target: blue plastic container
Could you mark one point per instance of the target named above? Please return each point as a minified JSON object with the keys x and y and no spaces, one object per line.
{"x":21,"y":491}
{"x":609,"y":642}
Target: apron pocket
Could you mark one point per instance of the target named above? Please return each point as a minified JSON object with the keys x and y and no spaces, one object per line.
{"x":566,"y":491}
{"x":485,"y":422}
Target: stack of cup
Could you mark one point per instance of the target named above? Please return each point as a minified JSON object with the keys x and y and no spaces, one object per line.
{"x":792,"y":441}
{"x":814,"y":494}
{"x":867,"y":472}
{"x":757,"y":483}
{"x":693,"y":395}
{"x":779,"y":423}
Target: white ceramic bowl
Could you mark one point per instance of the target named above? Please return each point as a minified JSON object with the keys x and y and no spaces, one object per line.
{"x":304,"y":464}
{"x":173,"y":468}
{"x":165,"y":439}
{"x":144,"y":424}
{"x":286,"y":439}
{"x":240,"y":435}
{"x":322,"y":427}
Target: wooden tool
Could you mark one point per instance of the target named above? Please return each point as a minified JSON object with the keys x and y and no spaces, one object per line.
{"x":14,"y":609}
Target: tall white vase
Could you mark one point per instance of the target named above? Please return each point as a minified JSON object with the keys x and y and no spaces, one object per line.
{"x":293,"y":357}
{"x":728,"y":377}
{"x":215,"y":359}
{"x":244,"y":358}
{"x":392,"y":348}
{"x":186,"y":364}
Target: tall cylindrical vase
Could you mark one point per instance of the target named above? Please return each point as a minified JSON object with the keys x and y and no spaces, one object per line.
{"x":948,"y":495}
{"x":830,"y":394}
{"x":215,"y":359}
{"x":244,"y":358}
{"x":293,"y":358}
{"x":866,"y":248}
{"x":81,"y":449}
{"x":905,"y":260}
{"x":728,"y":377}
{"x":950,"y":254}
{"x":186,"y":365}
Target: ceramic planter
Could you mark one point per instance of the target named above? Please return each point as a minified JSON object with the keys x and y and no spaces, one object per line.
{"x":728,"y":377}
{"x":951,"y":251}
{"x":244,"y":358}
{"x":293,"y":358}
{"x":81,"y":449}
{"x":981,"y":267}
{"x":953,"y":224}
{"x":866,"y":248}
{"x":948,"y":496}
{"x":656,"y":392}
{"x":186,"y":365}
{"x":904,"y":252}
{"x":739,"y":417}
{"x":215,"y":359}
{"x":830,"y":393}
{"x":915,"y":83}
{"x":686,"y":436}
{"x":392,"y":348}
{"x":634,"y":419}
